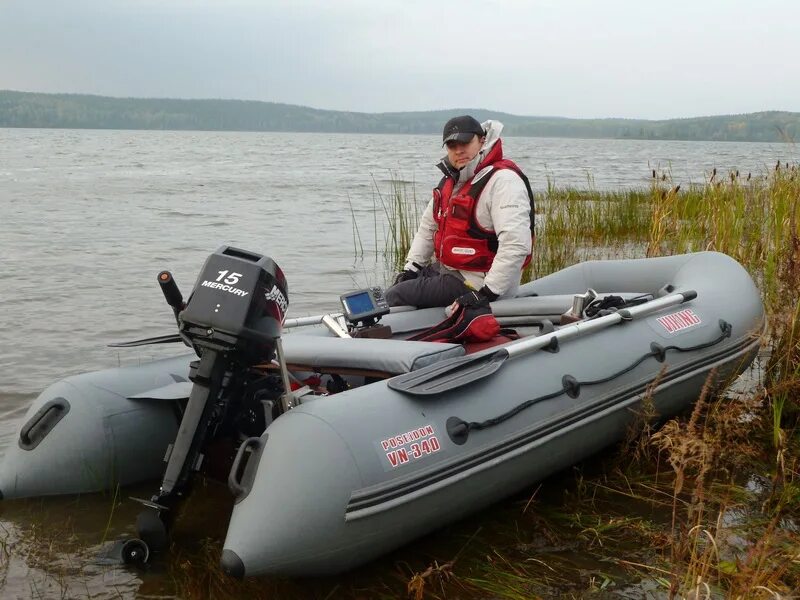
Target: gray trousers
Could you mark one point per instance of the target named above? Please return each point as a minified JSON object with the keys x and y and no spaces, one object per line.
{"x":430,"y":288}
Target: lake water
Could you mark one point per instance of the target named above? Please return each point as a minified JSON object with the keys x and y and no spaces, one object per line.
{"x":88,"y":218}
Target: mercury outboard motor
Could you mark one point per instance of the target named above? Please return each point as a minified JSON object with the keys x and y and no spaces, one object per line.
{"x":238,"y":306}
{"x":233,"y":320}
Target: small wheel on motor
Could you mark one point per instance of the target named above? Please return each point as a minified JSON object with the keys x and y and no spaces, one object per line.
{"x":135,"y":552}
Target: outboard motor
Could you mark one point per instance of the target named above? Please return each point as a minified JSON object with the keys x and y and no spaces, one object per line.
{"x":238,"y":306}
{"x":233,"y":320}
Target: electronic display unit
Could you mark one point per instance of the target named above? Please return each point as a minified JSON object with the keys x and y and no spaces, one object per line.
{"x":367,"y":305}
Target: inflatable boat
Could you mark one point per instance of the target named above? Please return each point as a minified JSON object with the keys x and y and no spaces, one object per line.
{"x":342,"y":439}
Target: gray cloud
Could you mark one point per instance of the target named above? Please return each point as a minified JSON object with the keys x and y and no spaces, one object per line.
{"x":573,"y":58}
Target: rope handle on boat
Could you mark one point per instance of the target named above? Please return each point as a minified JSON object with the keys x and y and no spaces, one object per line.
{"x":458,"y":429}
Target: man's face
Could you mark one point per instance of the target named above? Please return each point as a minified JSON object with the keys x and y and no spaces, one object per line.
{"x":460,"y":153}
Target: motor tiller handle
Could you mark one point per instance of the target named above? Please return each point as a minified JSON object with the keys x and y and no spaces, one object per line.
{"x":170,"y":290}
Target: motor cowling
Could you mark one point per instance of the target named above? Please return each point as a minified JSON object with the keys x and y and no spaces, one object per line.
{"x":238,"y":305}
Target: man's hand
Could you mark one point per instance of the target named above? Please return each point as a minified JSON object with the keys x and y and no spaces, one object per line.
{"x":405,"y":276}
{"x":472,"y":298}
{"x":481,"y":297}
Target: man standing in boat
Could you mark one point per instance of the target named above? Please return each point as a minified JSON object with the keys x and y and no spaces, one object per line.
{"x":478,"y":227}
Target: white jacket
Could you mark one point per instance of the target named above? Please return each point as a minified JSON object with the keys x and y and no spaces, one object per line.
{"x":504,"y":208}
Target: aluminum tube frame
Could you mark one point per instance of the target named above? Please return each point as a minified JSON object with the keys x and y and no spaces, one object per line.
{"x":582,"y":328}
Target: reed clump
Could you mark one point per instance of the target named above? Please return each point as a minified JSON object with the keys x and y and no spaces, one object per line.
{"x":401,"y":210}
{"x":783,"y":380}
{"x":728,"y":534}
{"x":754,"y":220}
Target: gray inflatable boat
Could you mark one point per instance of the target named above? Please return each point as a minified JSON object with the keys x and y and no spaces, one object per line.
{"x":343,"y":446}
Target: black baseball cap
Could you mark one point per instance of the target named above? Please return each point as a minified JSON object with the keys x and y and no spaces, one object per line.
{"x":461,"y":129}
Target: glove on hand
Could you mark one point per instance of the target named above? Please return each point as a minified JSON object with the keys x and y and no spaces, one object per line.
{"x":405,"y":276}
{"x":408,"y":274}
{"x":480,"y":298}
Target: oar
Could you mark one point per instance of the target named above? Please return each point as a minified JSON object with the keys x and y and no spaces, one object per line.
{"x":457,"y":372}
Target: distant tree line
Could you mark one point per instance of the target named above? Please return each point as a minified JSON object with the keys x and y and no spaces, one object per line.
{"x":24,"y":109}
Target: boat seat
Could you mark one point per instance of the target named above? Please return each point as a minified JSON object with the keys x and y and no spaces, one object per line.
{"x":381,"y":356}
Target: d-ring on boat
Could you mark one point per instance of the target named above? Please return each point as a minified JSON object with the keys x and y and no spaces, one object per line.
{"x":349,"y":439}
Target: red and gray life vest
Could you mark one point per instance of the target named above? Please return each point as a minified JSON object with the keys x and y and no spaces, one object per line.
{"x":459,"y":241}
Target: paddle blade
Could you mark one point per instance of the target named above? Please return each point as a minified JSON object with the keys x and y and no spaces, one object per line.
{"x":449,"y":375}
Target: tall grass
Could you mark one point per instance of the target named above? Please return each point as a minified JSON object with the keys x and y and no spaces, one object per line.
{"x":402,"y":211}
{"x":755,"y":221}
{"x":783,"y":380}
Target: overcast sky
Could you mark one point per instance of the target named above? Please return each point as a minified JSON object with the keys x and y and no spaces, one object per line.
{"x":574,"y":58}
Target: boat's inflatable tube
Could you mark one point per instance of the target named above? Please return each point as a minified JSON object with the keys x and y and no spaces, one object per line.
{"x":89,"y":432}
{"x":341,"y":479}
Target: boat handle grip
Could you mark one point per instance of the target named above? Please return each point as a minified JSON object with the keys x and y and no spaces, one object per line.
{"x":689,"y":295}
{"x":40,"y":424}
{"x":234,"y":485}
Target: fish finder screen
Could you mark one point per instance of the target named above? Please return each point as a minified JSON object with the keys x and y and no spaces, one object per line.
{"x":359,"y":303}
